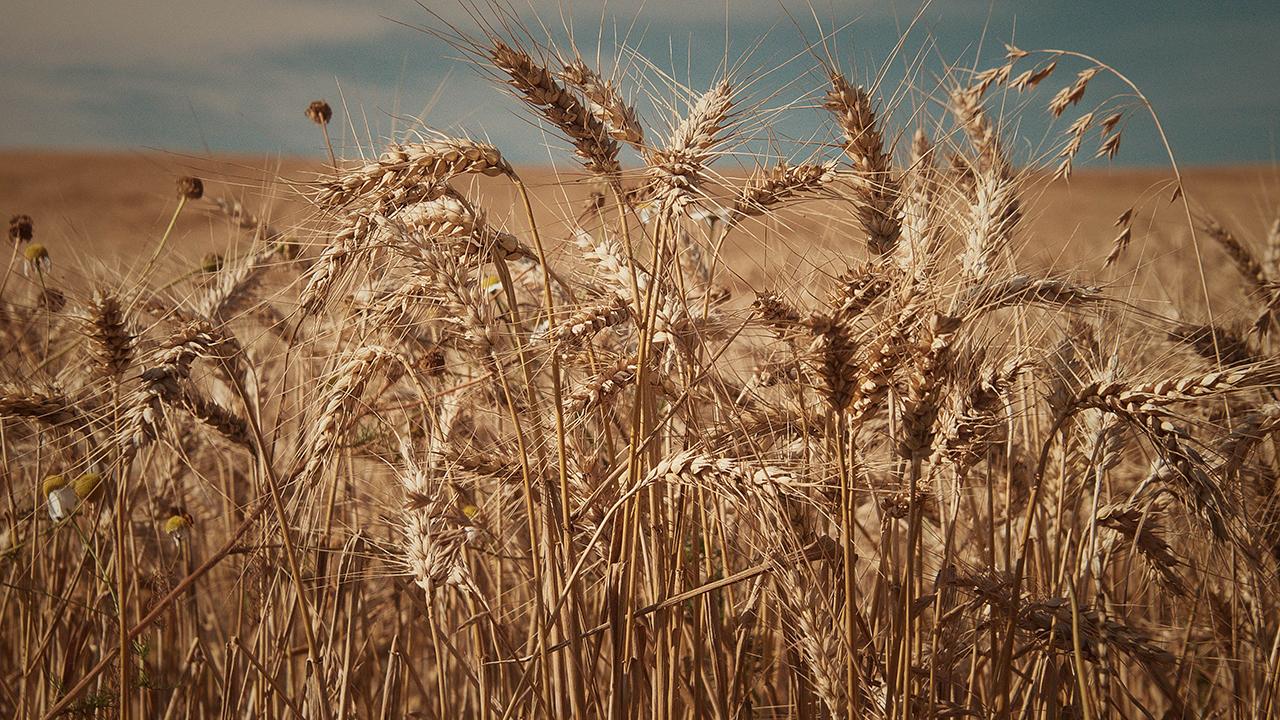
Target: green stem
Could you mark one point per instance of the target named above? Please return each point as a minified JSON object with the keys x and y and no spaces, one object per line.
{"x":164,"y":239}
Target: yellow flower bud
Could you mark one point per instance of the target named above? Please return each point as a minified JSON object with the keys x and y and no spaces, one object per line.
{"x":53,"y":482}
{"x":61,"y":496}
{"x":87,"y":483}
{"x":176,"y":524}
{"x":492,"y":284}
{"x":37,"y":257}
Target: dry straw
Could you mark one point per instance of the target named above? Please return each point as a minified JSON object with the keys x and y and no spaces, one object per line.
{"x":683,"y":455}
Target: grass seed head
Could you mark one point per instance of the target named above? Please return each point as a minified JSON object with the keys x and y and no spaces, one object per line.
{"x":536,"y":85}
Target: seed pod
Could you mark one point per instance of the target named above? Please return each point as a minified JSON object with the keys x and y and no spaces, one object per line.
{"x":191,"y":188}
{"x":21,"y":229}
{"x":319,"y":112}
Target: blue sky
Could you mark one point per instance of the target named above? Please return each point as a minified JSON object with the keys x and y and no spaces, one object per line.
{"x":198,"y":76}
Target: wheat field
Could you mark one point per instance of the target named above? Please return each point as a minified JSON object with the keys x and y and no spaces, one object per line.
{"x":914,"y":421}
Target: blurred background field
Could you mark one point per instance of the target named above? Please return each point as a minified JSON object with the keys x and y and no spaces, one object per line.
{"x":97,"y":212}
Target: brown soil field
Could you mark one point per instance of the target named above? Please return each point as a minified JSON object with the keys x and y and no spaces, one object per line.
{"x":99,"y":213}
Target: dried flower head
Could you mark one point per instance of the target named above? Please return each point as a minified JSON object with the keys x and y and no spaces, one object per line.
{"x":319,"y":112}
{"x":191,"y":188}
{"x":21,"y":228}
